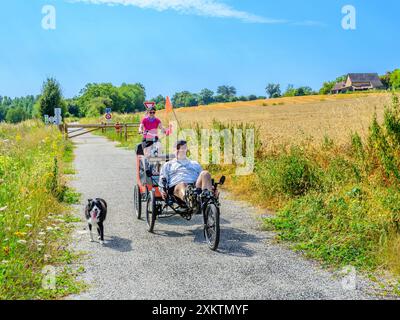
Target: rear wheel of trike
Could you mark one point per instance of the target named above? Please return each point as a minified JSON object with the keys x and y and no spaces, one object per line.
{"x":211,"y":226}
{"x":151,"y":211}
{"x":138,"y":202}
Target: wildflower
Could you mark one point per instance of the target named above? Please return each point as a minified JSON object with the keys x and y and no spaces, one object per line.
{"x":29,"y":225}
{"x":3,"y":209}
{"x":27,"y":216}
{"x":20,"y":234}
{"x":21,"y":241}
{"x":6,"y":250}
{"x":49,"y":228}
{"x":42,"y":233}
{"x":4,"y":262}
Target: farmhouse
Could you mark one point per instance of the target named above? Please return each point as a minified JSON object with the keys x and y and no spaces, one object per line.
{"x":358,"y":82}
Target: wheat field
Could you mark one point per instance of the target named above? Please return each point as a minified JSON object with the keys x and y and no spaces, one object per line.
{"x":294,"y":119}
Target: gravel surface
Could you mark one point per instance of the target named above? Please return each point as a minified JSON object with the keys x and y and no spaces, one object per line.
{"x":175,"y":262}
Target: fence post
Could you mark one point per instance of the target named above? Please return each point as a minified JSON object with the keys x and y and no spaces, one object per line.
{"x":66,"y":131}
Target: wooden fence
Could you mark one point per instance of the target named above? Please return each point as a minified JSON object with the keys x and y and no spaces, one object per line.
{"x":73,"y":130}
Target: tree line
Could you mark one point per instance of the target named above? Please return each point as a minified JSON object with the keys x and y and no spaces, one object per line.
{"x":92,"y":101}
{"x":17,"y":109}
{"x":94,"y":98}
{"x":206,"y":96}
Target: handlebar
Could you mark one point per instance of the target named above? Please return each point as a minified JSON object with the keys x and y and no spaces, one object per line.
{"x":167,"y":131}
{"x":147,"y":132}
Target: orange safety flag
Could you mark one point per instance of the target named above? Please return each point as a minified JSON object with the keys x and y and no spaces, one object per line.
{"x":168,"y":106}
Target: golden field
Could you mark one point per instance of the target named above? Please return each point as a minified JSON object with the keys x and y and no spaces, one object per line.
{"x":294,"y":119}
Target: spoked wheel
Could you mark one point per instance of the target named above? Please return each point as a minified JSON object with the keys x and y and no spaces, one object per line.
{"x":138,"y":202}
{"x":151,"y":212}
{"x":211,"y":226}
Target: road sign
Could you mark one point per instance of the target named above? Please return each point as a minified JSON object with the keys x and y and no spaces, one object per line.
{"x":108,"y":116}
{"x":149,"y":104}
{"x":108,"y":110}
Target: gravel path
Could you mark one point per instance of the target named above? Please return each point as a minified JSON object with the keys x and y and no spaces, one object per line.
{"x":175,"y":263}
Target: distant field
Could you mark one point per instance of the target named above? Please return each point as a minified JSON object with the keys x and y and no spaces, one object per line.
{"x":296,"y":118}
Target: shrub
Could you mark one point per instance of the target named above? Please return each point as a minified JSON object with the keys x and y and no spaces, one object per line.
{"x":289,"y":174}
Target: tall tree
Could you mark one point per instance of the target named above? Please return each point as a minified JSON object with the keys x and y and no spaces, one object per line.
{"x":227,"y":92}
{"x":395,"y":79}
{"x":386,"y":79}
{"x":290,"y":91}
{"x":51,"y":97}
{"x":160,"y":101}
{"x":273,"y":90}
{"x":206,"y":96}
{"x":185,"y":99}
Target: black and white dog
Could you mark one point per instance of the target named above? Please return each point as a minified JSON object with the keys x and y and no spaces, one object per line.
{"x":96,"y":213}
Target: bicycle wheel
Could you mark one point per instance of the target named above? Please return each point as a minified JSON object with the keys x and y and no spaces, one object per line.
{"x":211,"y":226}
{"x":151,"y":212}
{"x":138,"y":202}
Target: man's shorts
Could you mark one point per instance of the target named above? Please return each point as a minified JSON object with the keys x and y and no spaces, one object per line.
{"x":171,"y":193}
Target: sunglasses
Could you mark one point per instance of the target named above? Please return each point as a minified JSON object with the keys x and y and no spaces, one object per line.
{"x":152,"y":112}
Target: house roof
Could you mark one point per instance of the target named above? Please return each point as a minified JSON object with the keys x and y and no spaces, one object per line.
{"x":339,"y":85}
{"x":373,"y":78}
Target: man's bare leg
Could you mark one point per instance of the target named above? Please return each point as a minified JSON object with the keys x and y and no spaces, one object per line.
{"x":180,"y":191}
{"x":204,"y":182}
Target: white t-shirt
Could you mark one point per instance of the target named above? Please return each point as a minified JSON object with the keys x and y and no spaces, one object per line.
{"x":180,"y":171}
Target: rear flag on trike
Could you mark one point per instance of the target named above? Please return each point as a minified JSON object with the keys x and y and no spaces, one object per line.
{"x":168,"y":105}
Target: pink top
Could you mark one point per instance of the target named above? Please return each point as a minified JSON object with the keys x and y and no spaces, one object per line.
{"x":151,"y":125}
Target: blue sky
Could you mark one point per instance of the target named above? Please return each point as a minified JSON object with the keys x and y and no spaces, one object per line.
{"x":179,"y":45}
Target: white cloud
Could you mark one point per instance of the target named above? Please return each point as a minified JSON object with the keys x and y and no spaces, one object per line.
{"x":209,"y":8}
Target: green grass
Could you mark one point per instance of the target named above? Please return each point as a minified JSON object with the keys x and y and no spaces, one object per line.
{"x":34,"y":220}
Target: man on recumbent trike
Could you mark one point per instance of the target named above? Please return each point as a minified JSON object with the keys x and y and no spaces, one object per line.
{"x":178,"y":174}
{"x":183,"y":181}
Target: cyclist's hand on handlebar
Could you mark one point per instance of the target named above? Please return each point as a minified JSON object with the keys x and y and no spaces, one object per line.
{"x":164,"y":195}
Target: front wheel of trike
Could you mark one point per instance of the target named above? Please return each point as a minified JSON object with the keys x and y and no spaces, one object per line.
{"x":151,"y":211}
{"x":211,"y":226}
